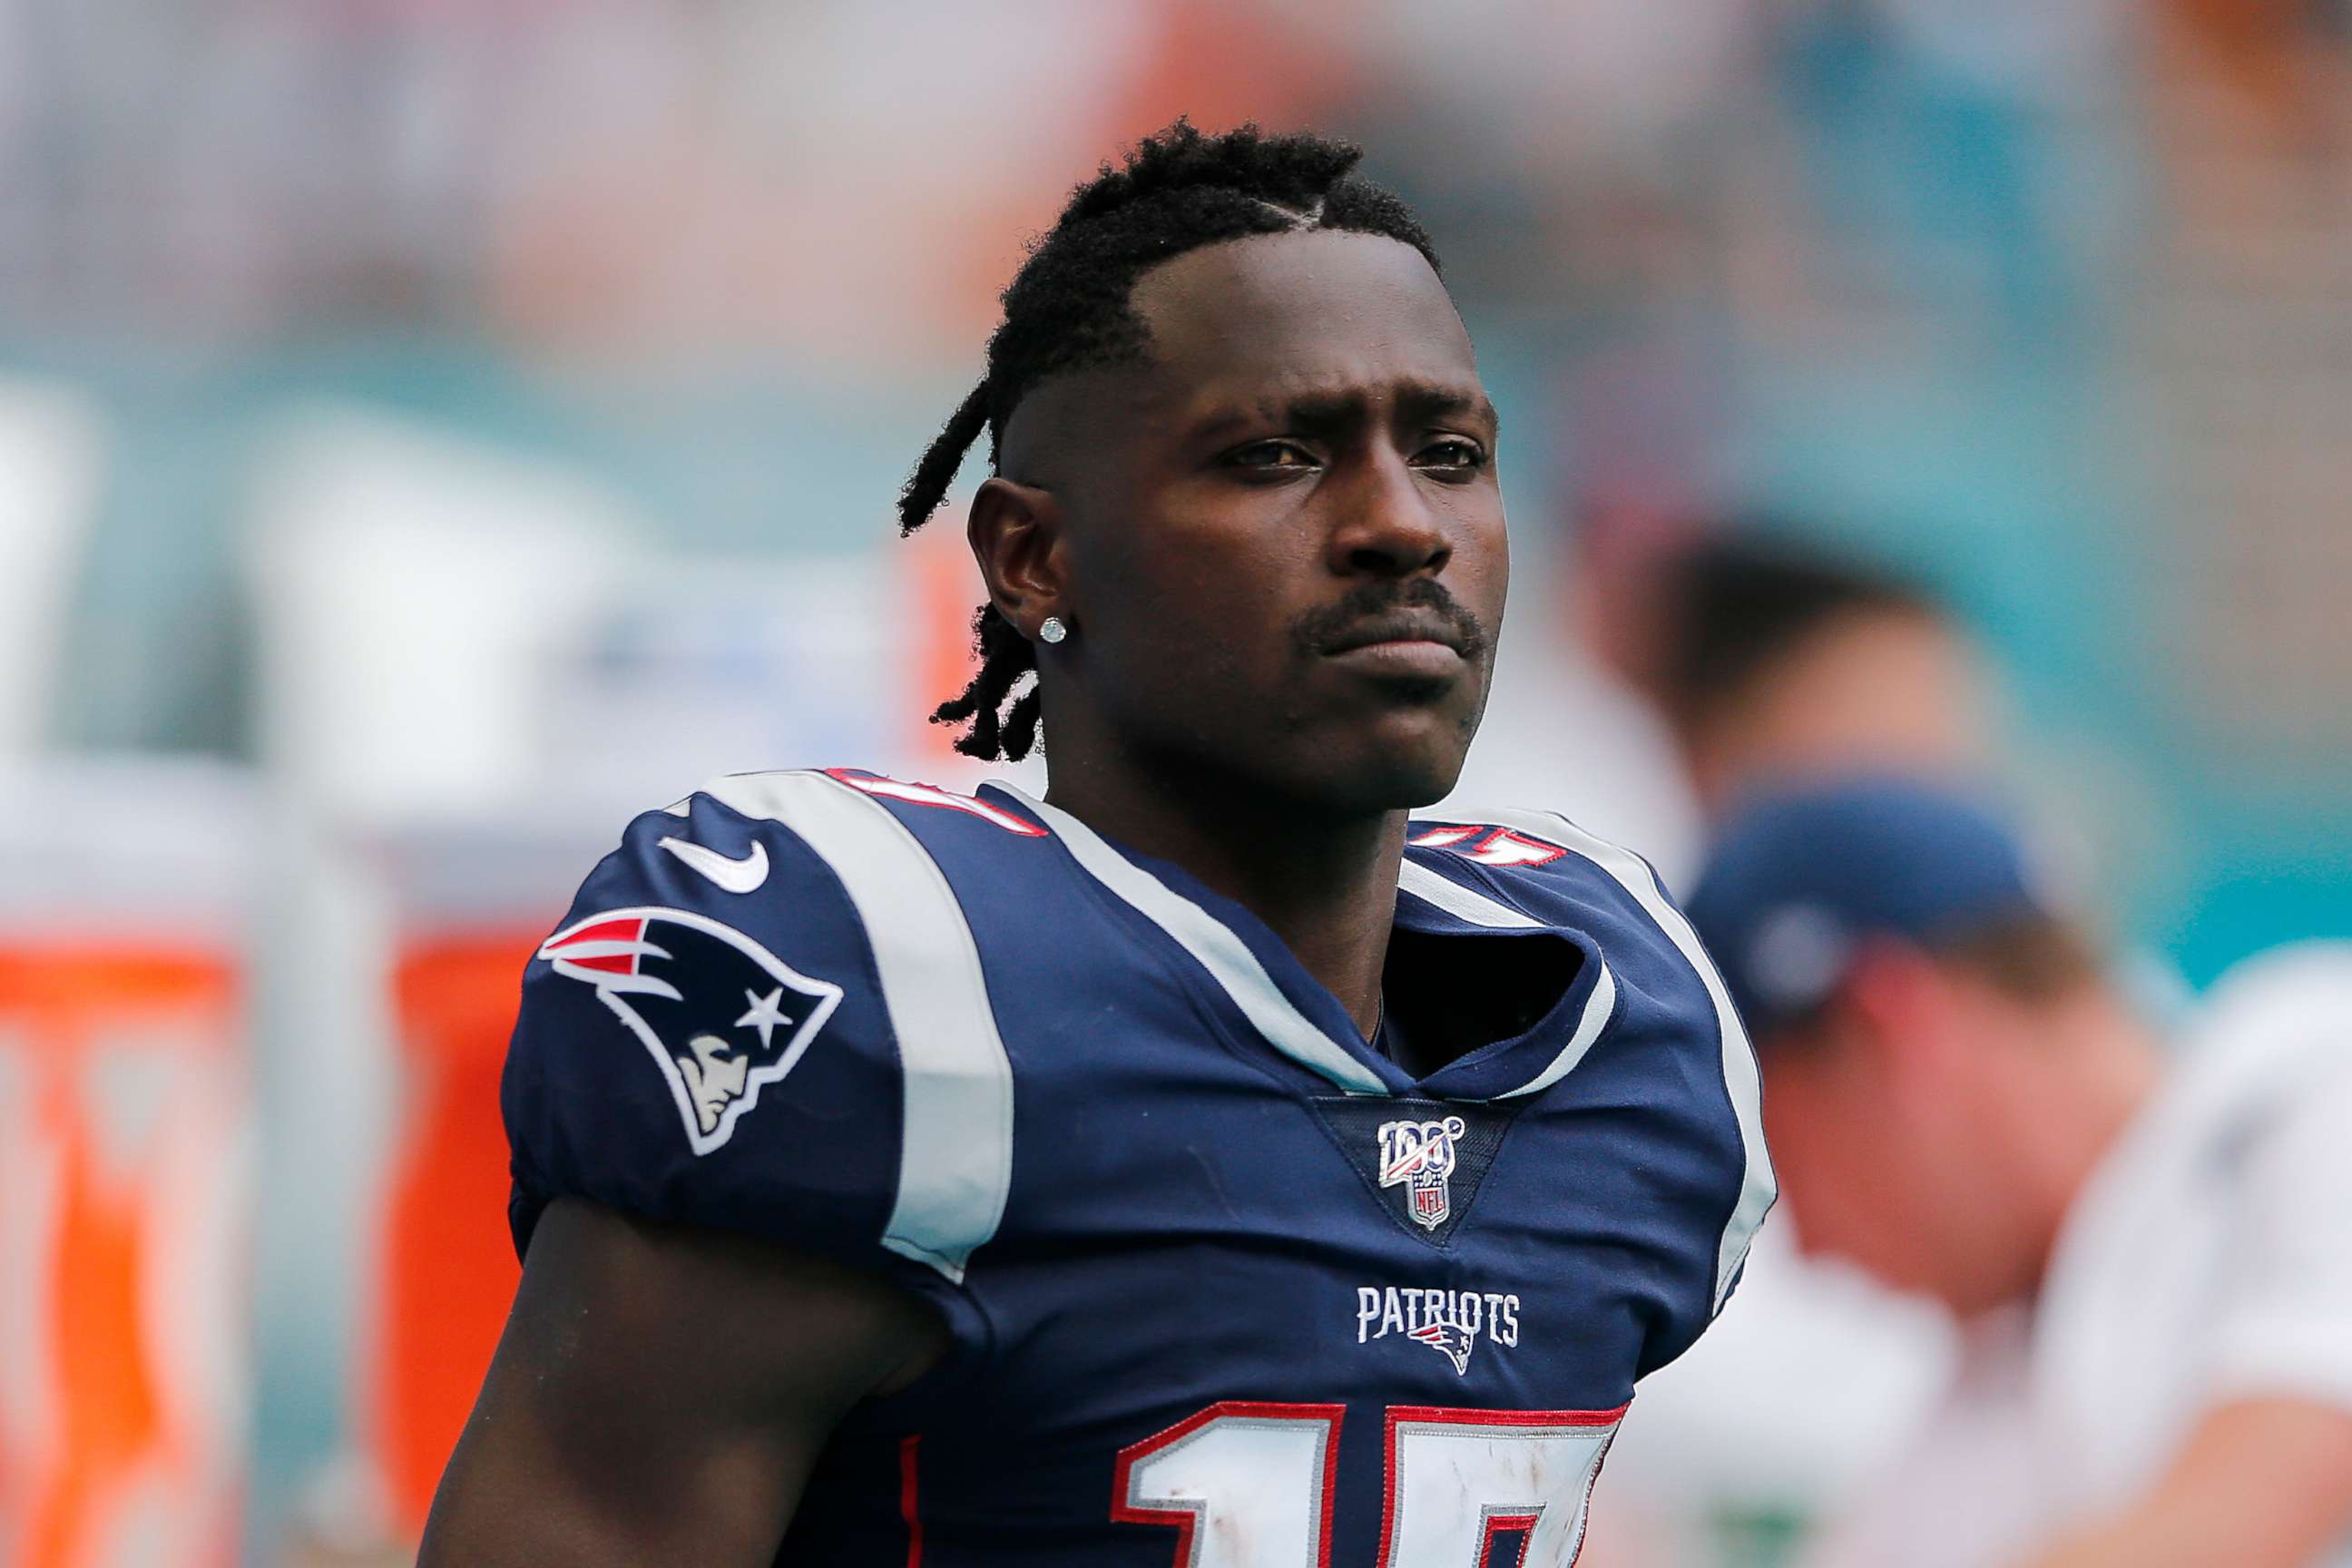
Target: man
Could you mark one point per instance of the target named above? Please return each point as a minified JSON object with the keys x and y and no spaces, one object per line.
{"x":1205,"y":1160}
{"x":2149,"y":1260}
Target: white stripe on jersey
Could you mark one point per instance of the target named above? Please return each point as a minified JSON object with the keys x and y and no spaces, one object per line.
{"x":1740,"y":1083}
{"x":1466,"y":904}
{"x":1215,"y":948}
{"x":955,"y":1149}
{"x":1597,"y":1010}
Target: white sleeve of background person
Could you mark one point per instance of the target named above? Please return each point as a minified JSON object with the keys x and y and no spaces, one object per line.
{"x":2287,"y":1324}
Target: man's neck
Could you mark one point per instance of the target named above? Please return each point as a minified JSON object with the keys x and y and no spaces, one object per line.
{"x":2116,"y":1066}
{"x":2122,"y":1067}
{"x":1324,"y":883}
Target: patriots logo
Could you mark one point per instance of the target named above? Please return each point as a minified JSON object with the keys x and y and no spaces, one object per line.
{"x":673,"y":977}
{"x":1453,"y":1339}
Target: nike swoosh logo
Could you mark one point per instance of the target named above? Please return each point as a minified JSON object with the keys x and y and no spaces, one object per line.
{"x":735,"y":876}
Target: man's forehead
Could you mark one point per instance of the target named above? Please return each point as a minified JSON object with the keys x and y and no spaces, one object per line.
{"x":1255,"y":324}
{"x":1312,"y":314}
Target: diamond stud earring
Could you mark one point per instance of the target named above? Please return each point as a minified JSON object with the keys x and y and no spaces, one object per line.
{"x":1052,"y":630}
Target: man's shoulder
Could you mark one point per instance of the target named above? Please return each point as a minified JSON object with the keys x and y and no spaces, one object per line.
{"x":857,"y":812}
{"x":2268,"y":1045}
{"x":834,"y":846}
{"x":2263,"y":1081}
{"x":2271,"y":1012}
{"x":767,"y":1010}
{"x":838,"y":862}
{"x":1553,"y":870}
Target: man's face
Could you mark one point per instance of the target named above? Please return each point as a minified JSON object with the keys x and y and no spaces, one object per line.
{"x":1905,"y":1149}
{"x":1284,"y":539}
{"x":1846,"y":1182}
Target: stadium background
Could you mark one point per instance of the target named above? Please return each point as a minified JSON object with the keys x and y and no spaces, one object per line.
{"x":430,"y":432}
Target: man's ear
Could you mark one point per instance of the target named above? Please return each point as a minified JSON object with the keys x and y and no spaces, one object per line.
{"x":1015,"y":531}
{"x":1898,"y":1001}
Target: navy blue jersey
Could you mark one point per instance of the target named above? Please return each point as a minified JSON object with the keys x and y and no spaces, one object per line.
{"x":1226,"y":1285}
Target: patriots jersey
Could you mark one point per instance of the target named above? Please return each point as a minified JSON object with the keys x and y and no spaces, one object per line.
{"x":1226,"y":1286}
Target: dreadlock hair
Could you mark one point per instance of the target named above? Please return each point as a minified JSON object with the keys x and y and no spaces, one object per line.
{"x":1067,"y":309}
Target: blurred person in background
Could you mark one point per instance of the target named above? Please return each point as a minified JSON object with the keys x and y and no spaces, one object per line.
{"x":1774,"y":659}
{"x":2144,"y":1239}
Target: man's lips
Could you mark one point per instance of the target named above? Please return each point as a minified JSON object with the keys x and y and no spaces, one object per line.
{"x":1414,"y":632}
{"x":1419,"y":662}
{"x":1399,"y":630}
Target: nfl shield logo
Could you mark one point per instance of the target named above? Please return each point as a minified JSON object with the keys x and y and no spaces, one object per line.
{"x":1421,"y":1154}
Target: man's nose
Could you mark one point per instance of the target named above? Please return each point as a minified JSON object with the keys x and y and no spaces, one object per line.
{"x":1387,"y":526}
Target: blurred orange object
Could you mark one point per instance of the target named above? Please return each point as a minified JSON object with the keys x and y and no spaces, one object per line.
{"x":448,"y":1264}
{"x":941,"y":581}
{"x":124,"y":1251}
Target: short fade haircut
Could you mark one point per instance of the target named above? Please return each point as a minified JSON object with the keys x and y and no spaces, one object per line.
{"x":1068,"y":309}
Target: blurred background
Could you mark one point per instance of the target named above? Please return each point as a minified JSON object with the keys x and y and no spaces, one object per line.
{"x":431,"y":433}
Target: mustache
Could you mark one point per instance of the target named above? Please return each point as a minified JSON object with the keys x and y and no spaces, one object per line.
{"x":1319,"y":631}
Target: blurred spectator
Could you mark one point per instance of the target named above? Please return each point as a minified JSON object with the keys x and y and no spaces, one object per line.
{"x":2146,"y":1257}
{"x":1776,"y":661}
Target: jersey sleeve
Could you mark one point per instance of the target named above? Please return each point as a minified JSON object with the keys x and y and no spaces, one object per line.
{"x":764,"y":1013}
{"x":2286,"y":1325}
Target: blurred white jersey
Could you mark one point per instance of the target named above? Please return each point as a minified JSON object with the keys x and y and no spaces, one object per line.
{"x":2210,"y":1258}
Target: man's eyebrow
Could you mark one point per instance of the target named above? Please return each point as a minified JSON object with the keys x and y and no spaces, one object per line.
{"x":1430,"y":400}
{"x":1422,"y":401}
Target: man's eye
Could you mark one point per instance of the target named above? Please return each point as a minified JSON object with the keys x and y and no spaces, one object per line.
{"x":1270,"y":454}
{"x":1452,"y":454}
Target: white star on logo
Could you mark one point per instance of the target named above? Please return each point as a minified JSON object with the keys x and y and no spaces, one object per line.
{"x":767,"y":1012}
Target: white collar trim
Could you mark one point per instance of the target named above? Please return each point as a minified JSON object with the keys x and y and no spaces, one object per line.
{"x":1215,"y":948}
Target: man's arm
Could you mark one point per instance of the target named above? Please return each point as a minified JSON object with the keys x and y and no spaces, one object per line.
{"x":660,"y":1395}
{"x":2260,"y":1483}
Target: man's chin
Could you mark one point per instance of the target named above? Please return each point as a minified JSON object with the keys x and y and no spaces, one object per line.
{"x":1347,"y":763}
{"x":1388,"y":771}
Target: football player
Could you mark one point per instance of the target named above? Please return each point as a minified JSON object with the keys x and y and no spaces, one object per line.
{"x":1207,"y":1163}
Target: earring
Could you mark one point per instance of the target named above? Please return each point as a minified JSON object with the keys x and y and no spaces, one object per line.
{"x":1052,"y":630}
